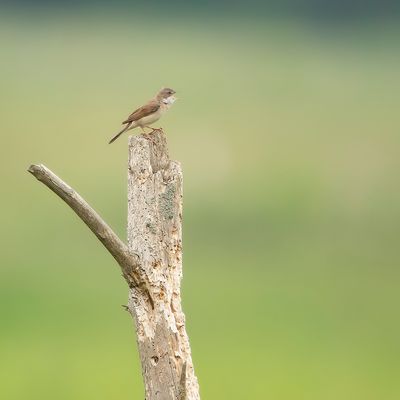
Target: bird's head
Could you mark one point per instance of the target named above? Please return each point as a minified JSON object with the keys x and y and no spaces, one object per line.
{"x":164,"y":93}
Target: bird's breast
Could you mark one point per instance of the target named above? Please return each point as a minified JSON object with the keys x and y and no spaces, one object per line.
{"x":149,"y":119}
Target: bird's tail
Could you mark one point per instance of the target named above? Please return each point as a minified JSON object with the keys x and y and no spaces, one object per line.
{"x":120,"y":133}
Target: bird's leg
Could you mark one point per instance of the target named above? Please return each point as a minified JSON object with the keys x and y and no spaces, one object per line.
{"x":153,"y":129}
{"x":148,"y":135}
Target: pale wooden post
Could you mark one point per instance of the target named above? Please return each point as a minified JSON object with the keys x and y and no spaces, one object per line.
{"x":151,"y":263}
{"x":155,"y":235}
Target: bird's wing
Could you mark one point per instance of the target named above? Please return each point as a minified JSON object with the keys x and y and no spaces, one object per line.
{"x":143,"y":111}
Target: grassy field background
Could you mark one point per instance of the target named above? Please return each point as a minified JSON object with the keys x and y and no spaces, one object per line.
{"x":289,"y":137}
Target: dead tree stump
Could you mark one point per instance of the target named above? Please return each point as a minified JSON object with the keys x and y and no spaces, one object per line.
{"x":151,"y":263}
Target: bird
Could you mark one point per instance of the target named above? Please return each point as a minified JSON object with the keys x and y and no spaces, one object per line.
{"x":148,"y":113}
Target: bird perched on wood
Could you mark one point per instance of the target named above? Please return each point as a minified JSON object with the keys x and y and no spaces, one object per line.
{"x":149,"y":113}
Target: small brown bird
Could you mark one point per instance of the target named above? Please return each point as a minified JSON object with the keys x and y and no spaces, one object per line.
{"x":149,"y":113}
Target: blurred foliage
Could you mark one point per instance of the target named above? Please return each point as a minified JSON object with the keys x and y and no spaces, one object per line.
{"x":326,"y":10}
{"x":289,"y":138}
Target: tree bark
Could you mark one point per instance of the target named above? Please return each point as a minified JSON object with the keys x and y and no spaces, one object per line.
{"x":151,"y":263}
{"x":155,"y":235}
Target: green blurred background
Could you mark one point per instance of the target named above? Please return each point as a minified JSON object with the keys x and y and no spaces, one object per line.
{"x":288,"y":129}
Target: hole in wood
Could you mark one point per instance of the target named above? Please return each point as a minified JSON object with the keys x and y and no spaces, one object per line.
{"x":154,"y":360}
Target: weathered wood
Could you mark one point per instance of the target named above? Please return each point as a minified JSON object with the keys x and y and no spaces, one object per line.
{"x":151,"y":262}
{"x":129,"y":262}
{"x":155,"y":234}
